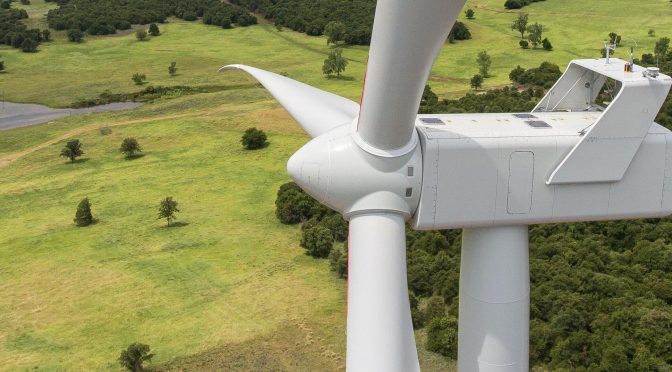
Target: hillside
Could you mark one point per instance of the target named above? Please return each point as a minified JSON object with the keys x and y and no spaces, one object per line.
{"x":229,"y":287}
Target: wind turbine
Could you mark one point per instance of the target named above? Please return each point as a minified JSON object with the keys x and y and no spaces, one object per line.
{"x":493,"y":175}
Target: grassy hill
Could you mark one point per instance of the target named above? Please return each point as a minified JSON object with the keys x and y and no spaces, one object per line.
{"x":229,"y":288}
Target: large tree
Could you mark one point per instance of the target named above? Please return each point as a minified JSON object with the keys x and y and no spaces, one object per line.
{"x":520,"y":24}
{"x":535,"y":33}
{"x":335,"y":31}
{"x":335,"y":63}
{"x":484,"y":62}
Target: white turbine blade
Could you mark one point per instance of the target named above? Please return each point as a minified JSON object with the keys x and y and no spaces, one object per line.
{"x":315,"y":110}
{"x":380,"y":329}
{"x":407,"y":36}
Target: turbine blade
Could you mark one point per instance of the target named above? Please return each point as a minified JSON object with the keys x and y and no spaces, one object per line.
{"x":380,"y":329}
{"x":407,"y":36}
{"x":315,"y":110}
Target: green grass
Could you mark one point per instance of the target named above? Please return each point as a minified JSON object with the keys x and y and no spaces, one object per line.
{"x":230,"y":288}
{"x":576,"y":29}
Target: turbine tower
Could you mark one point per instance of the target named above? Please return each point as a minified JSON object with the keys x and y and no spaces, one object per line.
{"x":381,"y":165}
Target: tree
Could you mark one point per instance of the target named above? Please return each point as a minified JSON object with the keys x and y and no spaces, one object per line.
{"x":335,"y":31}
{"x":46,"y":35}
{"x":141,"y":35}
{"x":534,"y":34}
{"x":172,"y":69}
{"x":442,"y":336}
{"x":167,"y":209}
{"x":547,"y":44}
{"x":470,"y":13}
{"x":484,"y":62}
{"x":5,"y":4}
{"x":72,"y":150}
{"x":477,"y":82}
{"x":134,"y":356}
{"x":335,"y":63}
{"x":2,"y":65}
{"x":524,"y":44}
{"x":317,"y":241}
{"x":83,"y":216}
{"x":129,"y":146}
{"x":253,"y":139}
{"x":337,"y":225}
{"x":460,"y":31}
{"x":520,"y":24}
{"x":615,"y":38}
{"x":436,"y":308}
{"x":29,"y":46}
{"x":75,"y":35}
{"x":154,"y":29}
{"x":139,"y":78}
{"x":338,"y":261}
{"x":661,"y":48}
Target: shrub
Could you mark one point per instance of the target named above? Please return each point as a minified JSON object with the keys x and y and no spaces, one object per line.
{"x":460,"y":31}
{"x":253,"y":139}
{"x":189,"y":16}
{"x":46,"y":35}
{"x":337,"y":225}
{"x":547,"y":44}
{"x":436,"y":308}
{"x":317,"y":241}
{"x":476,"y":81}
{"x":130,"y":146}
{"x":154,"y":30}
{"x":104,"y":131}
{"x":338,"y":261}
{"x":134,"y":356}
{"x":29,"y":46}
{"x":524,"y":44}
{"x":470,"y":13}
{"x":292,"y":205}
{"x":2,"y":65}
{"x":167,"y":209}
{"x":442,"y":336}
{"x":5,"y":4}
{"x":25,"y":2}
{"x":72,"y":150}
{"x":139,"y":78}
{"x":83,"y":216}
{"x":75,"y":35}
{"x":172,"y":69}
{"x":141,"y":35}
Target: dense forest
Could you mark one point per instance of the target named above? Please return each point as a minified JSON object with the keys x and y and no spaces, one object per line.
{"x":311,"y":17}
{"x":601,"y":293}
{"x":15,"y":34}
{"x":102,"y":17}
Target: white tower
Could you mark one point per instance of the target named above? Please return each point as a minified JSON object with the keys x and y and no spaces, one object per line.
{"x":490,"y":174}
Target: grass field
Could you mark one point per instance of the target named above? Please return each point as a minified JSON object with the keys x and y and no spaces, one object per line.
{"x":63,"y":72}
{"x":230,"y":288}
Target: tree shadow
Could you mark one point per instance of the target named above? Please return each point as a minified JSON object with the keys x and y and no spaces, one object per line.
{"x":342,"y":77}
{"x":176,"y":224}
{"x":78,"y":161}
{"x":134,"y":156}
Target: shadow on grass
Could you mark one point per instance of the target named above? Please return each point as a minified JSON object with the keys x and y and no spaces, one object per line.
{"x":176,"y":224}
{"x":342,"y":77}
{"x":265,"y":145}
{"x":134,"y":156}
{"x":78,"y":161}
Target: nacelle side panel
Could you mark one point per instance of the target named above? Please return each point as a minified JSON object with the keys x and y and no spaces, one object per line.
{"x":474,"y":182}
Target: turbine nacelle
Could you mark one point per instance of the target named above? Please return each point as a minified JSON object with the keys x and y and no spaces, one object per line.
{"x":335,"y":170}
